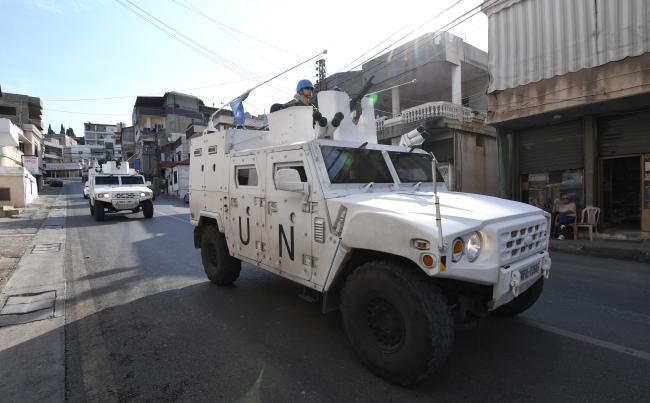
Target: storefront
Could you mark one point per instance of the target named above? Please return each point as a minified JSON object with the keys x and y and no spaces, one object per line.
{"x":62,"y":169}
{"x":551,"y":164}
{"x":624,"y":170}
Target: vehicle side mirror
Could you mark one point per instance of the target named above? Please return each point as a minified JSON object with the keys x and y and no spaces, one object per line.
{"x":147,"y":183}
{"x":86,"y":184}
{"x":289,"y":179}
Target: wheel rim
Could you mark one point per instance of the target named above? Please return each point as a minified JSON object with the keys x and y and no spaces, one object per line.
{"x":386,"y":324}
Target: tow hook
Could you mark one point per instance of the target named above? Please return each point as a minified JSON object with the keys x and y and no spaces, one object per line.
{"x":546,"y":267}
{"x":515,"y":280}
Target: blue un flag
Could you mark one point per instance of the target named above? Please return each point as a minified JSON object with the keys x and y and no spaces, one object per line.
{"x":237,"y":107}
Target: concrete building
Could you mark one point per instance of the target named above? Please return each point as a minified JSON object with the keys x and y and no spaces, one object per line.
{"x":21,"y":109}
{"x":448,"y":98}
{"x":18,"y":187}
{"x":570,"y":98}
{"x":160,"y":122}
{"x":105,"y":135}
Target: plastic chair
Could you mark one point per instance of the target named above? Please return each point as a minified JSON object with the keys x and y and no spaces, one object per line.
{"x":589,"y":220}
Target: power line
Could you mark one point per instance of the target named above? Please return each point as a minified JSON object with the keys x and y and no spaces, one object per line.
{"x":86,"y":113}
{"x":407,"y":34}
{"x":447,"y":27}
{"x":222,"y":60}
{"x":192,"y":44}
{"x":145,"y":93}
{"x":201,"y":13}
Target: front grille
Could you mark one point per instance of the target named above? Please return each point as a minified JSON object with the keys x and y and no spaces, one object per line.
{"x":125,"y":196}
{"x":519,"y":242}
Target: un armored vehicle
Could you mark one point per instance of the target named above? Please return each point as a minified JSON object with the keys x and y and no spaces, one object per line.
{"x":371,"y":229}
{"x":113,"y":188}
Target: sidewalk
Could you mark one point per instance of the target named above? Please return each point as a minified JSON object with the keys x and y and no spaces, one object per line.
{"x":32,"y":332}
{"x":628,"y":250}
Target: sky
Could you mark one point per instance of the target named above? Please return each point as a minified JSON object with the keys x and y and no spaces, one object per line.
{"x":88,"y":60}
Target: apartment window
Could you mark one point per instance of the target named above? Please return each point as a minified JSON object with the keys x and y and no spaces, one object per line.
{"x":5,"y":194}
{"x":246,"y":176}
{"x":7,"y":110}
{"x":175,"y":177}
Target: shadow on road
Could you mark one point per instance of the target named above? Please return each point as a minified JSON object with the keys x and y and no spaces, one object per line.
{"x":208,"y":343}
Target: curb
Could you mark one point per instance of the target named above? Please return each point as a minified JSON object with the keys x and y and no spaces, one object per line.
{"x":641,"y":255}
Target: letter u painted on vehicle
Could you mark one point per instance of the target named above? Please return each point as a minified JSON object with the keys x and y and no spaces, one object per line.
{"x":283,"y":237}
{"x":248,"y":231}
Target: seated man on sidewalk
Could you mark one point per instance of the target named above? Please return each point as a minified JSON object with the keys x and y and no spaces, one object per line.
{"x":566,"y":215}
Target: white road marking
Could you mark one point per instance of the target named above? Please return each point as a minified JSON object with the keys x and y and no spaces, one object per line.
{"x":587,"y":339}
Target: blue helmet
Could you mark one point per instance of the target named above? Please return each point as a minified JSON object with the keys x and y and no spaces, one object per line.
{"x":302,"y":84}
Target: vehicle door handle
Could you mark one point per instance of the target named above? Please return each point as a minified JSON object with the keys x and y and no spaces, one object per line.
{"x":272,"y":207}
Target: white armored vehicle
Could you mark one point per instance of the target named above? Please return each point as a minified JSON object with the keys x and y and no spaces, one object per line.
{"x":366,"y":227}
{"x":113,"y":188}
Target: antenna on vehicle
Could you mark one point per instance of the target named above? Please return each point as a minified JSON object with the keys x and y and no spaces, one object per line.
{"x":245,"y":94}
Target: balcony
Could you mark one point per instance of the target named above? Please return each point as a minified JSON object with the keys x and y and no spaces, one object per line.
{"x":429,"y":110}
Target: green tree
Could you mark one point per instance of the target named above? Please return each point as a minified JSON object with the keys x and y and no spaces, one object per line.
{"x":49,"y":130}
{"x":62,"y":129}
{"x":70,"y":132}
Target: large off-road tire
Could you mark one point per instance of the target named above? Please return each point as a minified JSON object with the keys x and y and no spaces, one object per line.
{"x":99,"y":211}
{"x":522,"y":302}
{"x":397,"y":320}
{"x":92,"y":209}
{"x":219,"y":266}
{"x":147,"y":208}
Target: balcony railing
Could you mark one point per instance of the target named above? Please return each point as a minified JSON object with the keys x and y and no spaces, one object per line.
{"x":429,"y":110}
{"x":433,"y":109}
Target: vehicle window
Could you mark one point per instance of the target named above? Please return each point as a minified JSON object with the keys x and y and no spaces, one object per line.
{"x":351,"y":165}
{"x":246,"y":176}
{"x":107,"y":180}
{"x":413,"y":167}
{"x":132,"y":180}
{"x":300,"y":168}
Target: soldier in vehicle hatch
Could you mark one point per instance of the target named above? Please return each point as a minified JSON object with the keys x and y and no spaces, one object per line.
{"x":303,"y":97}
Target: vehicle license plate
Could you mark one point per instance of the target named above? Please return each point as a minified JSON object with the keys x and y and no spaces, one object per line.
{"x":530,"y":271}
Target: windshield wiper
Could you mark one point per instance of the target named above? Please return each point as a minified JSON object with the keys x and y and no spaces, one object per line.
{"x":417,"y":186}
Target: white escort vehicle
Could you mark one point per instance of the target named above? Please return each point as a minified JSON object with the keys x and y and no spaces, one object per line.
{"x":114,"y":188}
{"x":317,"y":200}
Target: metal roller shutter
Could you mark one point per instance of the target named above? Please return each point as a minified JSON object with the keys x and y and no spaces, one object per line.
{"x":551,"y":148}
{"x":624,"y":134}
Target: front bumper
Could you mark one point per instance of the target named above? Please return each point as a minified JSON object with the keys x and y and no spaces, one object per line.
{"x":517,"y":277}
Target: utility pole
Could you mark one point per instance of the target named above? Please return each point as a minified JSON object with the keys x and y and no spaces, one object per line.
{"x":321,"y":82}
{"x":156,"y":174}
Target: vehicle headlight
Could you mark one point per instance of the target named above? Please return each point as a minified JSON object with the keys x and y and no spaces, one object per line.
{"x":144,"y":194}
{"x":457,"y":250}
{"x":473,"y":247}
{"x":103,"y":195}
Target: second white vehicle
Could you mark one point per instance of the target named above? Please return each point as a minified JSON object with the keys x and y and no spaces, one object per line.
{"x":114,"y":188}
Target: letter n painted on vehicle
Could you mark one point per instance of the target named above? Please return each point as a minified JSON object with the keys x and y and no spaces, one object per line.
{"x":248,"y":231}
{"x":283,"y":237}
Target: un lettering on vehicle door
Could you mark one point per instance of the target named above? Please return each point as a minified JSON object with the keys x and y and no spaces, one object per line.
{"x":288,"y":217}
{"x":246,"y":205}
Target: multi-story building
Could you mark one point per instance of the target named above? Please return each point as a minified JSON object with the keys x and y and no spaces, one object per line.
{"x":20,"y":148}
{"x":105,"y":135}
{"x":439,"y":82}
{"x":160,"y":121}
{"x":569,"y":95}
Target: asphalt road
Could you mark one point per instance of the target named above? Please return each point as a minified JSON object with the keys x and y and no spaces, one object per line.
{"x":143,"y":323}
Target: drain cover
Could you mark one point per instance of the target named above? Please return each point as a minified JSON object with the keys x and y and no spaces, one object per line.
{"x":46,"y":247}
{"x":25,"y":308}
